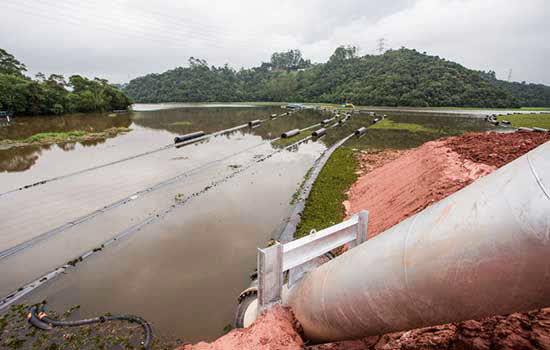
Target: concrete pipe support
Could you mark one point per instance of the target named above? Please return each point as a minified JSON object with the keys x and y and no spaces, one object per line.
{"x":482,"y":251}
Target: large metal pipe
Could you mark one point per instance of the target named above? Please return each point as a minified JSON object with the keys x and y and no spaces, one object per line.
{"x":482,"y":251}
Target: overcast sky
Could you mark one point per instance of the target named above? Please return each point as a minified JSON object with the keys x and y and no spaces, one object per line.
{"x":122,"y":39}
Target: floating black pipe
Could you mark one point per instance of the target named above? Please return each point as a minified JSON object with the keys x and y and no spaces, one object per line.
{"x":254,"y":123}
{"x":343,"y":120}
{"x":360,"y":131}
{"x":290,"y":133}
{"x":318,"y":133}
{"x":190,"y":136}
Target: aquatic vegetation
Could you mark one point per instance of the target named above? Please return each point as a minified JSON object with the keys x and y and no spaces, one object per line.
{"x":17,"y":333}
{"x":391,"y":125}
{"x":528,"y":120}
{"x":47,"y":138}
{"x":55,"y":135}
{"x":324,"y":205}
{"x":181,"y":123}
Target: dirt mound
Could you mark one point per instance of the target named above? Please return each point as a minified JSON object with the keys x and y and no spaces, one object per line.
{"x":516,"y":331}
{"x":392,"y":191}
{"x":273,"y":330}
{"x":495,"y":149}
{"x":410,"y":183}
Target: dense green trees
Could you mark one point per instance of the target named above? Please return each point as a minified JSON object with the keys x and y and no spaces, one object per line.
{"x":401,"y":77}
{"x":53,"y":95}
{"x":533,"y":95}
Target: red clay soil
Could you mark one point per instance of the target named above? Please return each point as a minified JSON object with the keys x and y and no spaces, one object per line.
{"x":419,"y":177}
{"x":395,"y":185}
{"x":517,"y":331}
{"x":496,"y":149}
{"x":273,"y":330}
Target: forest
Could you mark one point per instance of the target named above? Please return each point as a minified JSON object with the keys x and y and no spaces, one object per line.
{"x":403,"y":77}
{"x":53,"y":95}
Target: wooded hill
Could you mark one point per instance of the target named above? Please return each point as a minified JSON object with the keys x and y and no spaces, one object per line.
{"x":22,"y":95}
{"x":401,"y":77}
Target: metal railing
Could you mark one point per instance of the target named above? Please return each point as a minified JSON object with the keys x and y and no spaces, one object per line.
{"x":296,"y":255}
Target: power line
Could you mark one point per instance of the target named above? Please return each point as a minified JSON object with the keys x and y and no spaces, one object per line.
{"x":381,"y":45}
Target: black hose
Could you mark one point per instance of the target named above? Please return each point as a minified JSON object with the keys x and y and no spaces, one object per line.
{"x":38,"y":318}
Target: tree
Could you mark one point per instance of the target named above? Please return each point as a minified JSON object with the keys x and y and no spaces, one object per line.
{"x":398,"y":77}
{"x":46,"y":96}
{"x":343,"y":53}
{"x":9,"y":65}
{"x":290,"y":60}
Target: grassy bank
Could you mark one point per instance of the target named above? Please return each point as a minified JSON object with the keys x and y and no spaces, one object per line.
{"x":289,"y":141}
{"x":48,"y":138}
{"x":391,"y":125}
{"x":324,"y":205}
{"x":528,"y":120}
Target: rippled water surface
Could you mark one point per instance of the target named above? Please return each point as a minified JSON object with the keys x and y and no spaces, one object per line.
{"x":206,"y":206}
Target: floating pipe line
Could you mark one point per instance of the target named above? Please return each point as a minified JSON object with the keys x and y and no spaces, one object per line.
{"x":50,"y":233}
{"x":122,"y":160}
{"x":290,"y":133}
{"x":187,"y":137}
{"x":361,"y":131}
{"x":29,"y":287}
{"x":181,"y":144}
{"x":319,"y":132}
{"x":254,"y":123}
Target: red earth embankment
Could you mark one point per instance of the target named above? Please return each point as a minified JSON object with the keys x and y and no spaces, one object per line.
{"x":395,"y":185}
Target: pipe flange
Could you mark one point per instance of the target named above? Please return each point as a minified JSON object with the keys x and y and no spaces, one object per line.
{"x":247,"y":292}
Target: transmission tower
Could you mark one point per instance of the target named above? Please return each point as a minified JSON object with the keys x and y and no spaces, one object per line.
{"x":381,"y":45}
{"x":510,"y":74}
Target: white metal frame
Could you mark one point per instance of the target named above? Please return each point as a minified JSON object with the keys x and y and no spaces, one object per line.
{"x":293,"y":256}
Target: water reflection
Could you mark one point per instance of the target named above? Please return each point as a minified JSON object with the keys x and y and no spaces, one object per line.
{"x":24,"y":127}
{"x":182,"y":121}
{"x":434,"y":126}
{"x":22,"y":160}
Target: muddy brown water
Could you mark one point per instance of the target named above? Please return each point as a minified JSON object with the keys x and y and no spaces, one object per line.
{"x":184,"y":271}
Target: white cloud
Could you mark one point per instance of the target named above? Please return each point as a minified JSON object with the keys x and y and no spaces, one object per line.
{"x":121,"y":38}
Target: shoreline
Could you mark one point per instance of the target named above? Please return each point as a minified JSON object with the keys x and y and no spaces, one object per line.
{"x":403,"y":185}
{"x":45,"y":139}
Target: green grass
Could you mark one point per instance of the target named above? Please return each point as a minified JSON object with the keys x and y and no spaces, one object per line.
{"x":324,"y":206}
{"x":55,"y":135}
{"x":528,"y":120}
{"x":182,"y":123}
{"x":17,"y":333}
{"x":391,"y":125}
{"x":535,"y":108}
